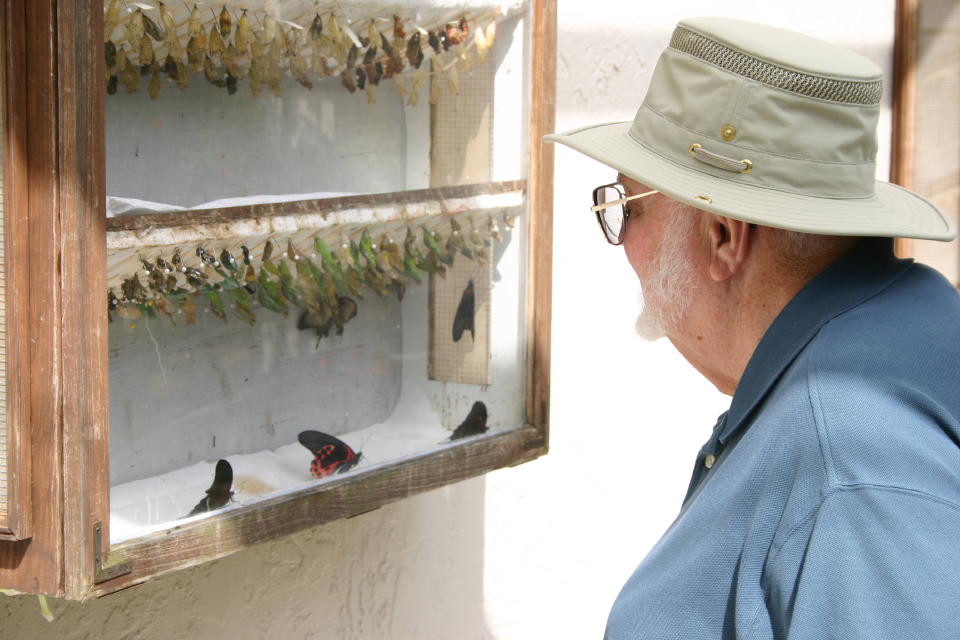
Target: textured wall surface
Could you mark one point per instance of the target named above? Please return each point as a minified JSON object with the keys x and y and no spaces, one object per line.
{"x":537,"y":551}
{"x":409,"y":570}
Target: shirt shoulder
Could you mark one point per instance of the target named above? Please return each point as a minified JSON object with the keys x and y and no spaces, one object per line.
{"x":836,"y":571}
{"x":882,"y":381}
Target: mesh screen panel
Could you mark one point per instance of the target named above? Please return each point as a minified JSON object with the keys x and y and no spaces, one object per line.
{"x":461,"y":153}
{"x":937,"y":127}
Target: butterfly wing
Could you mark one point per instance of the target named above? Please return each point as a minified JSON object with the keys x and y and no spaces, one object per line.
{"x":463,"y":320}
{"x":315,"y":441}
{"x":474,"y":424}
{"x":330,"y":454}
{"x":219,"y":493}
{"x":202,"y":507}
{"x":346,"y":311}
{"x":349,"y":462}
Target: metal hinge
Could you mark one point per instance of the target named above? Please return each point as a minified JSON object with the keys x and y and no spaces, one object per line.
{"x":100,"y":572}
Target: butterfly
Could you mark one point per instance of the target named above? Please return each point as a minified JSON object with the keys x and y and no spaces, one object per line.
{"x":330,"y":455}
{"x":474,"y":424}
{"x":219,"y":493}
{"x":324,"y":318}
{"x":463,"y":320}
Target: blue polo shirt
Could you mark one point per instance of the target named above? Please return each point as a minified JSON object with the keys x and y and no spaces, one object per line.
{"x":826,"y":504}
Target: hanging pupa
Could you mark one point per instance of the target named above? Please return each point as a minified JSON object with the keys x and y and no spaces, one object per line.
{"x":225,"y":22}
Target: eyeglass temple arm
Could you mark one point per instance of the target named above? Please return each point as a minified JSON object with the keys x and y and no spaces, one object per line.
{"x":604,"y":205}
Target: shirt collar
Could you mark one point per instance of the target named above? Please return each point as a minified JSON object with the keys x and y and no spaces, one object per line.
{"x":858,"y":275}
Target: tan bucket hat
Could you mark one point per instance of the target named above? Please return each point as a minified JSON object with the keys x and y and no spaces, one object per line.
{"x":763,"y":125}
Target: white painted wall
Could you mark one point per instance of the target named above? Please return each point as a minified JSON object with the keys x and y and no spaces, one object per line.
{"x":538,"y":551}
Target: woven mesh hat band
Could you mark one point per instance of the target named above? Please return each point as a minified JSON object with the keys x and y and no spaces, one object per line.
{"x":805,"y":84}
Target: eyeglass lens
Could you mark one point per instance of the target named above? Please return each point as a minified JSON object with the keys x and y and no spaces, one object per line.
{"x":611,"y":218}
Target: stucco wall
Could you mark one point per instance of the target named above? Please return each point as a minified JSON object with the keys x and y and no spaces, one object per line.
{"x":537,"y":551}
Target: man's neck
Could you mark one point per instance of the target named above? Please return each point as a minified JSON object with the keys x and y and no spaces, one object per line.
{"x":720,"y":345}
{"x":727,"y":321}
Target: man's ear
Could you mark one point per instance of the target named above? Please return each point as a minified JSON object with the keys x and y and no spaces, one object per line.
{"x":729,"y":243}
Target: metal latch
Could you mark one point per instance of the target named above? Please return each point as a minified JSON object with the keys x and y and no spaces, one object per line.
{"x":100,"y":572}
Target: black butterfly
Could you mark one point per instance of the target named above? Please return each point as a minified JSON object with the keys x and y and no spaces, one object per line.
{"x":475,"y":423}
{"x":324,"y":319}
{"x":219,"y":493}
{"x":330,"y":455}
{"x":466,"y":313}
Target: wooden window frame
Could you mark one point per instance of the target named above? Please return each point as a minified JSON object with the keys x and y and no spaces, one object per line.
{"x":16,"y":524}
{"x":904,"y":105}
{"x":66,"y":395}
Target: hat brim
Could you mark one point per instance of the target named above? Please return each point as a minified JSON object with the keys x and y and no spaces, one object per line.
{"x":891,"y":212}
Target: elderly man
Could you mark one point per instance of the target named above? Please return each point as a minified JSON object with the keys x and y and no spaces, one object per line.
{"x":826,"y":504}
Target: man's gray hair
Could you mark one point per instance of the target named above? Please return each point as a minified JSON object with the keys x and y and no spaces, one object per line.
{"x":797,"y":248}
{"x":799,"y":244}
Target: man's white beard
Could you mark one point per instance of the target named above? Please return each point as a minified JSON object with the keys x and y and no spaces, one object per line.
{"x":667,"y":291}
{"x":649,"y":326}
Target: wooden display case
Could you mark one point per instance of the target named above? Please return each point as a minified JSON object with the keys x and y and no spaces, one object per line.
{"x":302,"y":230}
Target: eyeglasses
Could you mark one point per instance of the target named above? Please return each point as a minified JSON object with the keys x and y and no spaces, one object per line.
{"x":613,"y":219}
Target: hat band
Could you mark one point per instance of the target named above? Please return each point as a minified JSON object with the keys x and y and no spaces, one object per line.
{"x":817,"y":178}
{"x":862,"y":92}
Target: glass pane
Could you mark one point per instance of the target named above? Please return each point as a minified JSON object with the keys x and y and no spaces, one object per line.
{"x":609,"y":194}
{"x":613,"y":221}
{"x":334,"y":298}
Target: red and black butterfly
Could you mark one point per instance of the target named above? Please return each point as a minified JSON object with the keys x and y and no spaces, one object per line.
{"x":330,"y":455}
{"x":474,"y":424}
{"x":464,"y":319}
{"x":219,"y":493}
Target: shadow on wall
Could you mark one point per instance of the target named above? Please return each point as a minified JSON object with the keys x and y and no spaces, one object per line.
{"x":412,"y":569}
